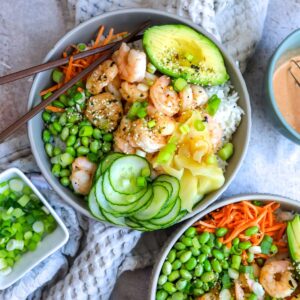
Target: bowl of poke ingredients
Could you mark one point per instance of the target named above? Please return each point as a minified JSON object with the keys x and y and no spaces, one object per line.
{"x":246,"y":247}
{"x":30,"y":230}
{"x":154,"y":134}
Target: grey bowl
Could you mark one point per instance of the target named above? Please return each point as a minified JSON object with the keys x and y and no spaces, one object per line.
{"x":128,"y":20}
{"x":286,"y":203}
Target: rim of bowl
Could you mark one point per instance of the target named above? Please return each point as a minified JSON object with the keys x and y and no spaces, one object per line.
{"x":178,"y":232}
{"x":47,"y":172}
{"x":270,"y":72}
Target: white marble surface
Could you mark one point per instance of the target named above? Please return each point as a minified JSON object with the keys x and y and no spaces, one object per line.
{"x":29,"y":28}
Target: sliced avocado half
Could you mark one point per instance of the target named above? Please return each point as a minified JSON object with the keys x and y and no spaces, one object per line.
{"x":293,"y":235}
{"x":180,"y":51}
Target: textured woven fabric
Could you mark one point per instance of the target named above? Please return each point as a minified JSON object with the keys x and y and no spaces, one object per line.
{"x":88,"y":266}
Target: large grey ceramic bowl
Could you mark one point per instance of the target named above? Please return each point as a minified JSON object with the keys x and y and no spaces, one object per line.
{"x":286,"y":204}
{"x":128,"y":20}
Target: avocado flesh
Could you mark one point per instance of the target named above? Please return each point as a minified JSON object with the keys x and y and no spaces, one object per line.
{"x":180,"y":51}
{"x":293,"y":235}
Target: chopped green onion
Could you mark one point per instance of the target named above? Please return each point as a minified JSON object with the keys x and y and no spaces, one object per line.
{"x":142,"y":113}
{"x":226,"y":282}
{"x":27,"y":190}
{"x":211,"y":159}
{"x":81,"y":47}
{"x":16,"y":185}
{"x":151,"y":68}
{"x":189,"y":57}
{"x":226,"y":152}
{"x":251,"y":230}
{"x":146,"y":172}
{"x":5,"y":271}
{"x":266,"y":244}
{"x":57,"y":76}
{"x":246,"y":269}
{"x":3,"y":263}
{"x":199,"y":125}
{"x":27,"y":235}
{"x":132,"y":113}
{"x":257,"y":203}
{"x":233,"y":274}
{"x":151,"y":123}
{"x":24,"y":200}
{"x":184,"y":128}
{"x":38,"y":226}
{"x":10,"y":210}
{"x":166,"y":153}
{"x":46,"y":210}
{"x":179,"y":84}
{"x":18,"y":212}
{"x":213,"y":105}
{"x":14,"y":245}
{"x":46,"y":96}
{"x":274,"y":249}
{"x":141,"y":181}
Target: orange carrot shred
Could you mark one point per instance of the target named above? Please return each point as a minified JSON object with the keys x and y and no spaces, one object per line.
{"x":54,"y":109}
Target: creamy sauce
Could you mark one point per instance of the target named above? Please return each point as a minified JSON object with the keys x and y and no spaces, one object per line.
{"x":287,"y":92}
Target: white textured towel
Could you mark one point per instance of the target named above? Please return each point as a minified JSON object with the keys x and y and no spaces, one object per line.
{"x":88,"y":266}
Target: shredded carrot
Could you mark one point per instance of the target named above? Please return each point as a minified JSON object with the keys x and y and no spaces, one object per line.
{"x":55,"y":109}
{"x":109,"y":36}
{"x":240,"y":216}
{"x":51,"y":89}
{"x":99,"y":35}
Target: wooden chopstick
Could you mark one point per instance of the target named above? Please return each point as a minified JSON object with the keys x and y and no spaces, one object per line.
{"x":56,"y":63}
{"x":30,"y":114}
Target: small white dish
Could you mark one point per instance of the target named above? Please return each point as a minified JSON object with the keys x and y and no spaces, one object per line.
{"x":48,"y":245}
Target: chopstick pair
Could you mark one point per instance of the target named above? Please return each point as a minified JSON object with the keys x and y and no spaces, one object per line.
{"x":107,"y":50}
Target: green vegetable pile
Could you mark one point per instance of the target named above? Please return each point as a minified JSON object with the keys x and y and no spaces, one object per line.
{"x":24,"y":222}
{"x":69,"y":134}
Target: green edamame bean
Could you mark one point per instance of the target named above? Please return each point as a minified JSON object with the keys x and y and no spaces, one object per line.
{"x":217,"y":254}
{"x":162,"y":279}
{"x":64,"y":133}
{"x":176,"y":264}
{"x":74,"y":130}
{"x":57,"y":126}
{"x":85,"y":141}
{"x":166,"y":268}
{"x":161,"y":295}
{"x":97,"y":134}
{"x":86,"y":130}
{"x":218,"y":244}
{"x":198,"y":271}
{"x":85,"y":123}
{"x":49,"y":149}
{"x":171,"y":256}
{"x":245,"y":245}
{"x":252,"y":230}
{"x":207,"y":266}
{"x":106,"y":147}
{"x":226,"y":251}
{"x":204,"y":237}
{"x":205,"y":249}
{"x":46,"y":136}
{"x":198,"y":284}
{"x":185,"y":274}
{"x":56,"y":151}
{"x":108,"y":137}
{"x":191,"y":264}
{"x":235,"y":242}
{"x":186,"y":241}
{"x":65,"y":173}
{"x":225,"y":264}
{"x":216,"y":266}
{"x":181,"y":284}
{"x":95,"y":146}
{"x":202,"y":257}
{"x":179,"y":246}
{"x":169,"y":287}
{"x":250,"y":257}
{"x":221,"y":231}
{"x":198,"y":292}
{"x":208,"y":277}
{"x":57,"y":103}
{"x":173,"y":276}
{"x":56,"y":170}
{"x":190,"y":232}
{"x":77,"y":143}
{"x":205,"y":287}
{"x":195,"y":252}
{"x":210,"y":243}
{"x":63,"y":99}
{"x":71,"y":102}
{"x":52,"y":129}
{"x":81,"y":150}
{"x":65,"y":181}
{"x":63,"y":119}
{"x":92,"y":157}
{"x":71,"y":140}
{"x":71,"y":151}
{"x":178,"y":296}
{"x":184,"y":257}
{"x":46,"y":116}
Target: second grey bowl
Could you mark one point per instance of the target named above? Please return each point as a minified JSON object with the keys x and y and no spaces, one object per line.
{"x":128,"y":20}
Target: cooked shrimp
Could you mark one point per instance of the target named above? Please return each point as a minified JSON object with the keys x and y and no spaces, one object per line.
{"x":163,"y":97}
{"x":215,"y":130}
{"x":208,"y":296}
{"x":104,"y":111}
{"x":238,"y":290}
{"x":148,"y":139}
{"x":82,"y":175}
{"x":192,"y":96}
{"x":123,"y":138}
{"x":101,"y":77}
{"x":134,"y":92}
{"x":131,"y":63}
{"x":113,"y":88}
{"x":277,"y":278}
{"x":164,"y":124}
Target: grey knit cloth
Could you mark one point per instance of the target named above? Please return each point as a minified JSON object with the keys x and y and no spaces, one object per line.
{"x":88,"y":266}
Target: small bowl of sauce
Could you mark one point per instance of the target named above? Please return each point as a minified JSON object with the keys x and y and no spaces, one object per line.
{"x":283,"y":87}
